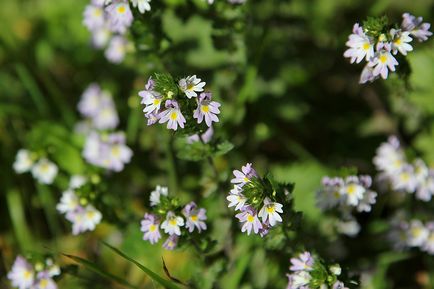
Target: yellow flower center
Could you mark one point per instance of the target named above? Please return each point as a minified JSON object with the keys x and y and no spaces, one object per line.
{"x":27,"y":275}
{"x":174,"y":115}
{"x":250,"y":218}
{"x":152,"y":228}
{"x":172,"y":222}
{"x":190,"y":86}
{"x":205,"y":108}
{"x":398,"y":41}
{"x":194,"y":218}
{"x":43,"y":283}
{"x":157,"y":101}
{"x":121,"y":9}
{"x":351,"y":189}
{"x":116,"y":151}
{"x":270,"y":209}
{"x":366,"y":46}
{"x":404,"y":177}
{"x":383,"y":58}
{"x":90,"y":214}
{"x":97,"y":12}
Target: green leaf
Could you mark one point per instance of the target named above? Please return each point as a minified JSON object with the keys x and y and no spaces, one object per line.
{"x":94,"y":267}
{"x":165,"y":283}
{"x":224,"y":148}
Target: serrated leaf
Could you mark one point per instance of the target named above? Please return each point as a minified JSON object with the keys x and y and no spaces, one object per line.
{"x":224,"y":148}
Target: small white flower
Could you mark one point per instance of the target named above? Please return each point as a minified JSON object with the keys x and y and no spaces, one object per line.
{"x":22,"y":274}
{"x":401,"y":41}
{"x":417,"y":234}
{"x":142,"y":5}
{"x":77,"y":181}
{"x":68,"y":202}
{"x":353,"y":193}
{"x":349,"y":228}
{"x":405,"y":180}
{"x":190,"y":85}
{"x":361,"y":46}
{"x":236,"y":198}
{"x":156,"y":194}
{"x":270,"y":211}
{"x":300,"y":278}
{"x":383,"y":62}
{"x":44,"y":171}
{"x":91,"y":218}
{"x":172,"y":224}
{"x":23,"y":161}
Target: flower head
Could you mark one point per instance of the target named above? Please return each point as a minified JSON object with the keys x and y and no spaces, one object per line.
{"x":142,"y":5}
{"x":149,"y":226}
{"x":119,"y":16}
{"x":360,"y":45}
{"x":172,"y":115}
{"x":206,"y":109}
{"x":45,"y":171}
{"x":190,"y":85}
{"x":270,"y":212}
{"x":23,"y":161}
{"x":171,"y":242}
{"x":303,"y":262}
{"x":157,"y":193}
{"x":22,"y":274}
{"x":172,"y":224}
{"x":242,"y":177}
{"x":250,"y":220}
{"x":195,"y":217}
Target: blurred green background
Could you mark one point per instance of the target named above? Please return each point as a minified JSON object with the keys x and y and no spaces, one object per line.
{"x":292,"y":105}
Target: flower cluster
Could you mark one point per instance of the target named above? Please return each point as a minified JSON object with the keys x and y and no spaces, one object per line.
{"x":259,"y":210}
{"x":108,"y":21}
{"x":74,"y":203}
{"x":103,"y":149}
{"x":42,"y":169}
{"x":169,"y":102}
{"x":345,"y":194}
{"x":413,"y":234}
{"x":24,"y":275}
{"x":309,"y":272}
{"x":402,"y":176}
{"x":378,"y":43}
{"x":169,"y":216}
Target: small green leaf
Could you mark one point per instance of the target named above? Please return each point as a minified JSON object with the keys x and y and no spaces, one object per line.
{"x":165,"y":283}
{"x":224,"y":148}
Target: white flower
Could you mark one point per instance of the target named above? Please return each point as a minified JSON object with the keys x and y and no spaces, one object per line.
{"x":143,"y":5}
{"x":365,"y":204}
{"x":361,"y":46}
{"x":172,"y":224}
{"x":250,"y":219}
{"x":77,"y":181}
{"x":84,"y":219}
{"x":405,"y":180}
{"x":68,"y":202}
{"x":44,"y":171}
{"x":400,"y":41}
{"x":349,"y":228}
{"x":390,"y":157}
{"x":271,"y":211}
{"x":383,"y":62}
{"x":116,"y":49}
{"x":190,"y":85}
{"x":22,"y":274}
{"x":45,"y":282}
{"x":300,"y":278}
{"x":236,"y":198}
{"x":417,"y":234}
{"x":156,"y":194}
{"x":353,"y":192}
{"x":23,"y":161}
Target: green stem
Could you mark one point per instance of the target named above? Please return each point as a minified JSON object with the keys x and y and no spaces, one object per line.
{"x":18,"y":219}
{"x":171,"y":165}
{"x":49,"y":205}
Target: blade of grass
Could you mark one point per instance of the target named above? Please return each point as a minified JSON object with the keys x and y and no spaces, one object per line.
{"x":49,"y":205}
{"x":16,"y":213}
{"x":32,"y":87}
{"x":165,"y":283}
{"x":94,"y":267}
